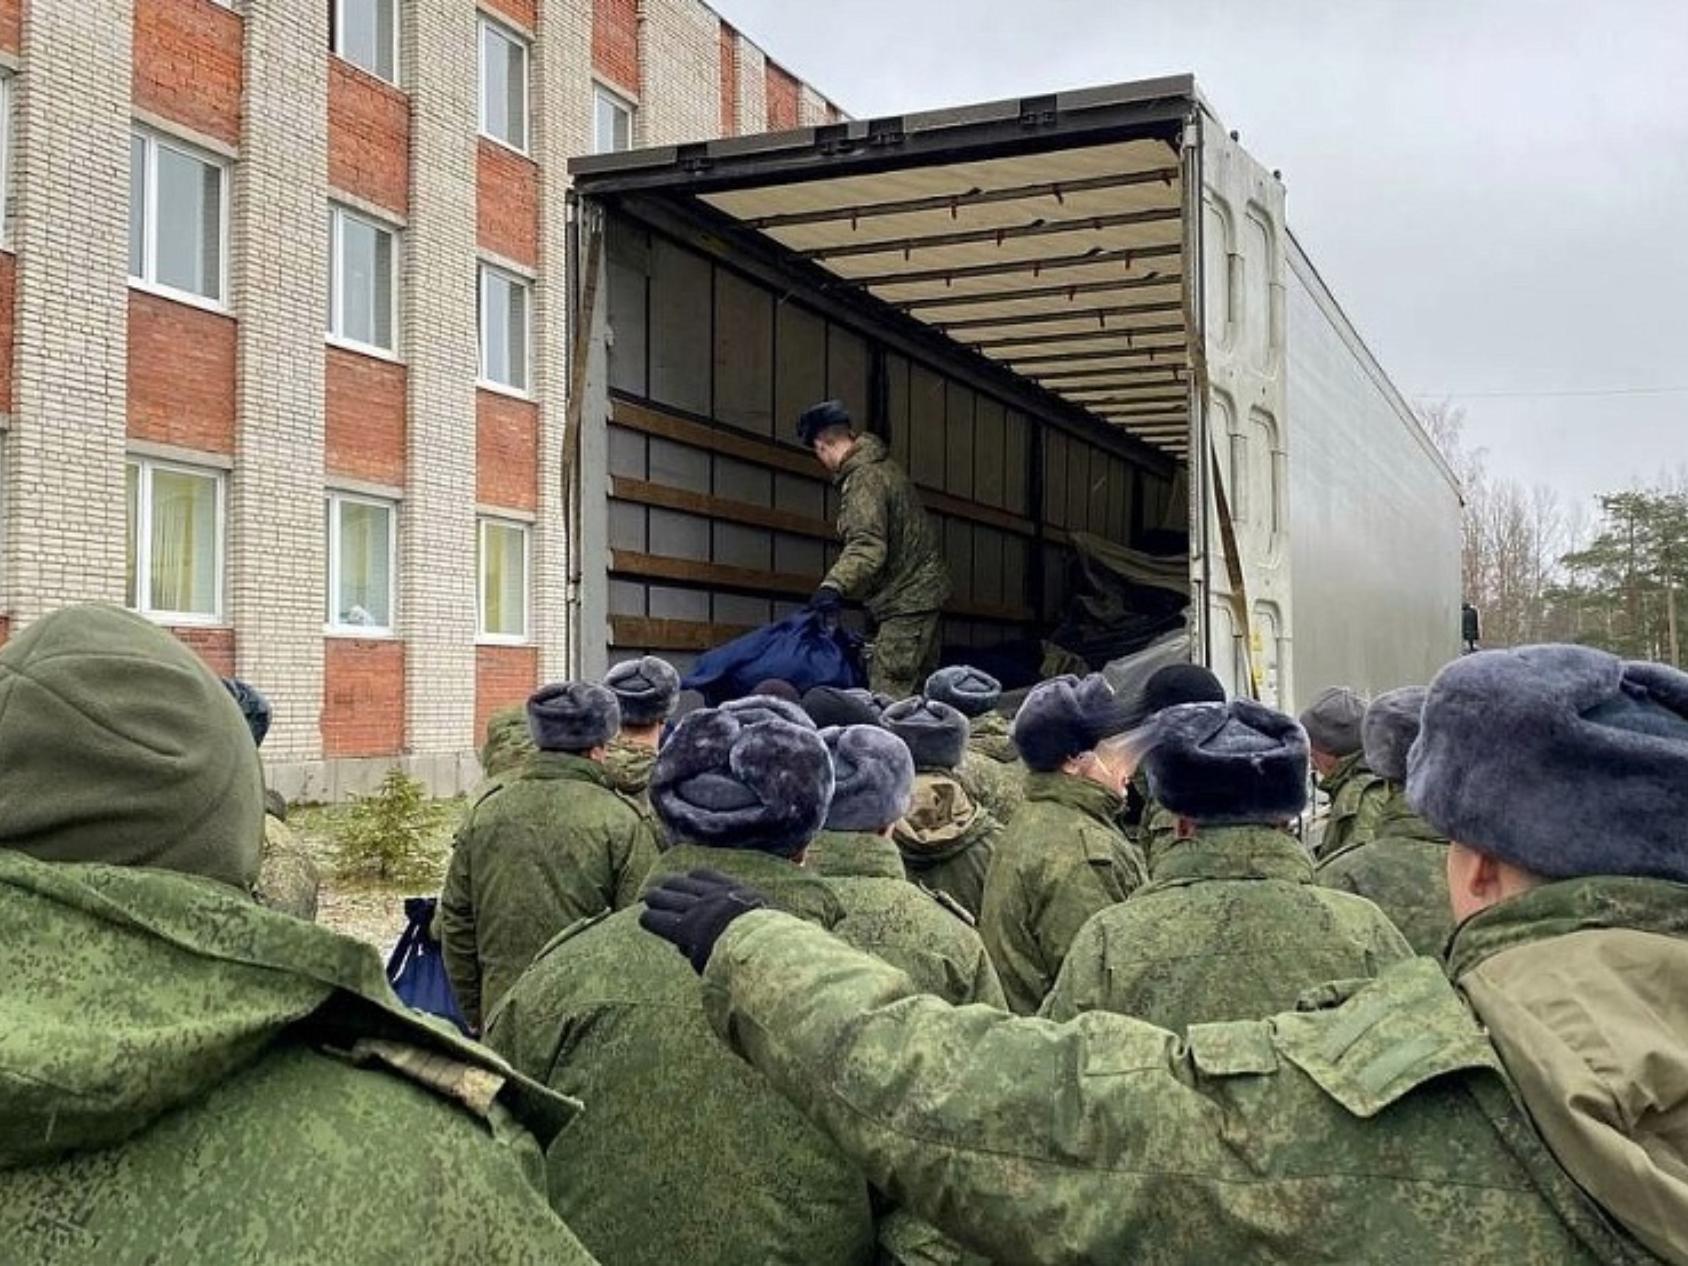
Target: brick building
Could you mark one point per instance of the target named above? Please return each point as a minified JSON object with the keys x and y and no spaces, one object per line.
{"x":282,"y":301}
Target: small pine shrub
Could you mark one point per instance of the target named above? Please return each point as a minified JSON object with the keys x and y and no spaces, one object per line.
{"x":387,"y":834}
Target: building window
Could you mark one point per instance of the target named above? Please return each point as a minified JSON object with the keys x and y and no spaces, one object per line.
{"x":363,"y":302}
{"x":502,"y":561}
{"x":360,"y":565}
{"x":174,"y":558}
{"x":366,"y":33}
{"x":504,"y":329}
{"x":504,"y":89}
{"x":177,"y":214}
{"x":613,"y":123}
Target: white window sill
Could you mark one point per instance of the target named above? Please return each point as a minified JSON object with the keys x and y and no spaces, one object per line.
{"x":367,"y":70}
{"x":362,"y":349}
{"x":494,"y":639}
{"x":500,"y":389}
{"x":183,"y":620}
{"x":186,"y":297}
{"x":499,"y":141}
{"x":357,"y":633}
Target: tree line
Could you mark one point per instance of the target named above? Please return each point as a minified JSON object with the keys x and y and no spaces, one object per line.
{"x":1539,"y":569}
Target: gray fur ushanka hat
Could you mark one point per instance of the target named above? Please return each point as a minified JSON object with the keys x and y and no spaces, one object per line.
{"x":1223,"y":763}
{"x":831,"y":705}
{"x":1389,"y":729}
{"x":969,"y":691}
{"x":572,"y":716}
{"x":1333,"y":721}
{"x":1065,"y":716}
{"x":1563,"y":760}
{"x":934,"y":732}
{"x":733,"y":778}
{"x":875,"y":777}
{"x":646,"y":689}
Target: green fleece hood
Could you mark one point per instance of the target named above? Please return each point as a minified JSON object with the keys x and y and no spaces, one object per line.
{"x":117,"y":745}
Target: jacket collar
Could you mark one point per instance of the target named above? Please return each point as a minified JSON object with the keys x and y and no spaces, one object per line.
{"x":1090,"y":798}
{"x":1397,"y":821}
{"x":786,"y":885}
{"x":869,"y":449}
{"x":854,"y":855}
{"x":563,"y":767}
{"x":942,"y":823}
{"x":1566,"y":906}
{"x":1232,"y":852}
{"x":1352,"y":766}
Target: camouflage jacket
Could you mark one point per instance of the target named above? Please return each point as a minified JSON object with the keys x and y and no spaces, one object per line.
{"x":1231,"y":927}
{"x":1157,"y":829}
{"x":1060,"y":859}
{"x":891,"y":560}
{"x":288,"y":879}
{"x":1375,"y":1125}
{"x":1404,"y":869}
{"x":687,"y":1155}
{"x":886,"y":915}
{"x":1356,"y":798}
{"x":629,"y":768}
{"x":190,"y":1077}
{"x":947,"y":840}
{"x":990,"y":768}
{"x":992,"y":735}
{"x":508,"y":743}
{"x":551,"y":845}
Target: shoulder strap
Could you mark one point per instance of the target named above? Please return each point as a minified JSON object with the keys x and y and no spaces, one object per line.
{"x":949,"y":903}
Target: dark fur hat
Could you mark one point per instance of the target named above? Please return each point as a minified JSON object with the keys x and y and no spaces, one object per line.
{"x":829,"y":705}
{"x":1228,"y":763}
{"x":1067,"y":715}
{"x":934,"y":732}
{"x":253,"y":706}
{"x":572,"y":716}
{"x":968,"y":690}
{"x":1180,"y":683}
{"x":754,"y":709}
{"x":1389,"y":729}
{"x":723,"y":782}
{"x":820,"y":417}
{"x":645,"y":688}
{"x":875,"y":776}
{"x":1561,"y":759}
{"x":1333,"y":721}
{"x":777,"y":688}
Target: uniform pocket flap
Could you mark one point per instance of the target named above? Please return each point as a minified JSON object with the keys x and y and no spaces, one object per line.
{"x":1233,"y":1048}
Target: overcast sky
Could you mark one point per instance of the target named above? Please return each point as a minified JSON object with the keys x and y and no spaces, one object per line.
{"x":1497,"y":190}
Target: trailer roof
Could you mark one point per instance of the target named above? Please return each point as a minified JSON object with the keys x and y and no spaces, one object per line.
{"x":1044,"y":234}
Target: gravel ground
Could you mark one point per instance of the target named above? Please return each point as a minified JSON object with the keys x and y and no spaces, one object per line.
{"x":367,"y":909}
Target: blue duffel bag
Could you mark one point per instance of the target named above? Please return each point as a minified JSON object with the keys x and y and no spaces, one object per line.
{"x":416,"y":968}
{"x":806,"y":649}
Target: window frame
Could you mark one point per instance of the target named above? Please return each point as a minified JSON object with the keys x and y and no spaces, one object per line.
{"x":482,"y":636}
{"x":515,"y":37}
{"x":338,"y":212}
{"x":153,"y":140}
{"x":332,"y":626}
{"x":524,"y":390}
{"x":7,"y":128}
{"x":603,"y":93}
{"x":336,"y":47}
{"x":143,"y":540}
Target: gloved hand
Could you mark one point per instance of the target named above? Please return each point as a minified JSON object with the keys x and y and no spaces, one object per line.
{"x":692,"y":911}
{"x":826,"y":600}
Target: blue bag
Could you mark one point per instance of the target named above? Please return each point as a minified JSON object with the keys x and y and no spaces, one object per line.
{"x":806,"y":649}
{"x":416,"y":969}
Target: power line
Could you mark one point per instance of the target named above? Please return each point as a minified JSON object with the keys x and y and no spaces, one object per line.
{"x":1535,"y":395}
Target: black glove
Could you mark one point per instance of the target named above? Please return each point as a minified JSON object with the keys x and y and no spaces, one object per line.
{"x":692,"y":911}
{"x":826,"y":600}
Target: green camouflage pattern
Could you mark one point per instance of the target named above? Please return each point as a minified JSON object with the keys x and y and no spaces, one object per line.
{"x":889,"y":917}
{"x":1157,"y":828}
{"x":1375,"y":1126}
{"x":1356,"y":799}
{"x":992,"y":735}
{"x":288,"y":878}
{"x":628,"y":765}
{"x":1403,"y":868}
{"x":687,"y":1155}
{"x":191,"y":1077}
{"x":1060,"y":859}
{"x":904,"y":1240}
{"x":1231,"y":927}
{"x":892,"y":561}
{"x":553,"y":844}
{"x":508,"y":744}
{"x":998,"y":786}
{"x":946,"y":840}
{"x":903,"y":654}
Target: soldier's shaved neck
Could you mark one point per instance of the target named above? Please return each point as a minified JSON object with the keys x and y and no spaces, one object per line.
{"x":643,"y":735}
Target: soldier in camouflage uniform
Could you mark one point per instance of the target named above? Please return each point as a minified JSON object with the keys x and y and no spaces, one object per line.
{"x":1529,"y":1109}
{"x":646,"y":690}
{"x":189,"y":1077}
{"x":891,"y":560}
{"x":552,"y":844}
{"x":990,"y":767}
{"x":946,"y":839}
{"x":288,"y":878}
{"x":1061,"y":857}
{"x":1404,"y":867}
{"x":1231,"y":926}
{"x":929,"y":937}
{"x":688,"y":1155}
{"x":1356,"y":794}
{"x":1154,"y":829}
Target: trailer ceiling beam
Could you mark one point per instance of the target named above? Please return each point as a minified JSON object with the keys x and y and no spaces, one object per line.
{"x":1013,"y":232}
{"x":1053,"y":263}
{"x":1099,"y":315}
{"x":1130,"y":335}
{"x":1031,"y":364}
{"x":1153,"y":281}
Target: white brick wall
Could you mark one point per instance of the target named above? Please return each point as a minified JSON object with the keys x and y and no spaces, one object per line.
{"x":276,"y":573}
{"x":752,"y":88}
{"x":811,"y":107}
{"x":64,"y":502}
{"x":680,"y":71}
{"x":437,"y":585}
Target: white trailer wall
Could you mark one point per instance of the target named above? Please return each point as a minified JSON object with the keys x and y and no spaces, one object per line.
{"x":1374,"y":511}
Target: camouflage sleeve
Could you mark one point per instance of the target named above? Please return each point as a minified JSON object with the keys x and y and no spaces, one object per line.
{"x":864,"y":525}
{"x":1007,"y":934}
{"x":1368,"y":813}
{"x":987,"y":986}
{"x":639,"y":855}
{"x":457,"y":934}
{"x":1020,"y":1138}
{"x":1087,"y":888}
{"x":1079,"y":986}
